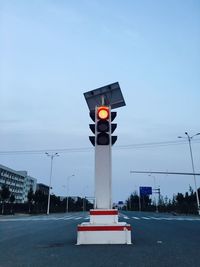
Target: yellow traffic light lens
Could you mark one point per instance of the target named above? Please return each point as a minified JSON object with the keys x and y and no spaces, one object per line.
{"x":103,"y":113}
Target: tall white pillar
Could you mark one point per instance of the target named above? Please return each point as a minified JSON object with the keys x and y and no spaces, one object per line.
{"x":103,"y":180}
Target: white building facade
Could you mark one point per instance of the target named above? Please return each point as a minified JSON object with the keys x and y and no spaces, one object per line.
{"x":19,"y":183}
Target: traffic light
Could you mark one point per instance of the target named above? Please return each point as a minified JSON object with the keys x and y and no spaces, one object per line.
{"x":103,"y":128}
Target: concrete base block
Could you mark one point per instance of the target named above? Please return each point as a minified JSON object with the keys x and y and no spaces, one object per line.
{"x":119,"y":233}
{"x":102,"y":216}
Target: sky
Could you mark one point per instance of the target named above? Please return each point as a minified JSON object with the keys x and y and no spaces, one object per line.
{"x":51,"y":52}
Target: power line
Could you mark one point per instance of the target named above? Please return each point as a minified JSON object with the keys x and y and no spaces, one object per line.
{"x":42,"y":151}
{"x":89,"y":149}
{"x":155,"y":144}
{"x":159,"y":172}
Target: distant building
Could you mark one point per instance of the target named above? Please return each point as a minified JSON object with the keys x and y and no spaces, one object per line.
{"x":44,"y":188}
{"x":19,"y":183}
{"x":30,"y":182}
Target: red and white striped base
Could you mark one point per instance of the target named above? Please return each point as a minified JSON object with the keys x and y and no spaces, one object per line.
{"x":104,"y":228}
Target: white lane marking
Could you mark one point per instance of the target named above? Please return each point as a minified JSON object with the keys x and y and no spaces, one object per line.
{"x":13,"y":220}
{"x":24,"y":219}
{"x":68,"y":218}
{"x":78,"y":218}
{"x":179,"y":219}
{"x":40,"y":219}
{"x":57,"y":219}
{"x":155,"y":218}
{"x":136,"y":218}
{"x":191,"y":219}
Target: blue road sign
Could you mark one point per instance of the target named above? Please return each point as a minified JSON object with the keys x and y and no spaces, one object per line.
{"x":145,"y":190}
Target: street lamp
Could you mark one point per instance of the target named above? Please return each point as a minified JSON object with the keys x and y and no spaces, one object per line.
{"x":85,"y":188}
{"x":52,"y":156}
{"x":67,"y":203}
{"x":155,"y":190}
{"x":195,"y":183}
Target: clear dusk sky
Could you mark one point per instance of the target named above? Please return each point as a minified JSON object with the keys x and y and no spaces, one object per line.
{"x":51,"y":52}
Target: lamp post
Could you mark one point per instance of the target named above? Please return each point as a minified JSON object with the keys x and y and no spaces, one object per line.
{"x":191,"y":155}
{"x":155,"y":190}
{"x":67,"y":203}
{"x":51,"y":156}
{"x":85,"y":189}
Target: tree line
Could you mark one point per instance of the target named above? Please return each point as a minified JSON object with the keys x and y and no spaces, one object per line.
{"x":37,"y":203}
{"x":180,"y":203}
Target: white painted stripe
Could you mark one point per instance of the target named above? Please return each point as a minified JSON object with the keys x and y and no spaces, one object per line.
{"x":78,"y":218}
{"x":167,"y":219}
{"x":33,"y":219}
{"x":145,"y":218}
{"x":38,"y":219}
{"x":87,"y":218}
{"x":41,"y":219}
{"x":68,"y":218}
{"x":179,"y":219}
{"x":13,"y":220}
{"x":155,"y":218}
{"x":136,"y":218}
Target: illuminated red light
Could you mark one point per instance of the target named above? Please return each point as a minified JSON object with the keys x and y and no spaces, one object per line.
{"x":103,"y":113}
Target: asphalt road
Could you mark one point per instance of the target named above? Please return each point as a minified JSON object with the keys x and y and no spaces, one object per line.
{"x":158,"y":240}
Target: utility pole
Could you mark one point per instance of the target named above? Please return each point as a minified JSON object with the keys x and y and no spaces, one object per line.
{"x":50,"y":177}
{"x":192,"y":161}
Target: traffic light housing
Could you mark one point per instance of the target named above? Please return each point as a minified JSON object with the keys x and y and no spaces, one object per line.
{"x":103,"y":128}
